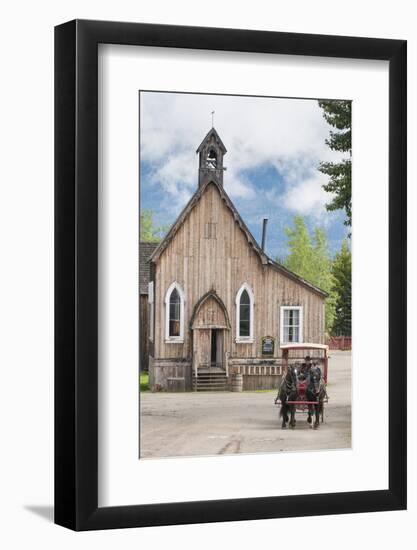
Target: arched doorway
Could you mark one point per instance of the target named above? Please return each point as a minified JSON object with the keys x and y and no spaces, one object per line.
{"x":209,"y":324}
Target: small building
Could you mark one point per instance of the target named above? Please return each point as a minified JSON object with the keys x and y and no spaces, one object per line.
{"x":218,"y":305}
{"x":145,"y":251}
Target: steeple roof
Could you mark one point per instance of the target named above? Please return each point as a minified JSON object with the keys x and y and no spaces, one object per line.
{"x":212,"y":133}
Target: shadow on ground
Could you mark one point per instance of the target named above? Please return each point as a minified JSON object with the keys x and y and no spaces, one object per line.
{"x":45,"y":512}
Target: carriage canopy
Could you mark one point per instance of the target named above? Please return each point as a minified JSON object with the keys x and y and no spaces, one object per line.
{"x":287,"y":348}
{"x":305,"y":346}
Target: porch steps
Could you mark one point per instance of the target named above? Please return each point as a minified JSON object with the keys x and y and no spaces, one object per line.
{"x":210,"y":381}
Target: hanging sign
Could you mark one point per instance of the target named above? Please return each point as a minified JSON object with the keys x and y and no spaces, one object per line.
{"x":268,"y":345}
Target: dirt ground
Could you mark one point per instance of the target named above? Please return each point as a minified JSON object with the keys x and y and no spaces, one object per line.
{"x":187,"y":424}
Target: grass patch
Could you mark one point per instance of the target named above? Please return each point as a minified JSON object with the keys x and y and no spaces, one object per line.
{"x":144,"y":381}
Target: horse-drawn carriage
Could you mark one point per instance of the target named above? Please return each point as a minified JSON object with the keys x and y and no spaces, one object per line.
{"x":304,"y":381}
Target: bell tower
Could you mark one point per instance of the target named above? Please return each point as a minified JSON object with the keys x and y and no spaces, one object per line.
{"x":211,"y":151}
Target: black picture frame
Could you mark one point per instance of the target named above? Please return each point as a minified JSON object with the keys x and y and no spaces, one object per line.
{"x":76,"y":272}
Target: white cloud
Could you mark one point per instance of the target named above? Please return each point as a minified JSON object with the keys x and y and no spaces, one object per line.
{"x":237,"y":186}
{"x":307,"y":197}
{"x":286,"y":133}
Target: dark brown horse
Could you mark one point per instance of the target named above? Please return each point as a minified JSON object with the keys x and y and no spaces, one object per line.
{"x":288,"y":391}
{"x":315,"y":391}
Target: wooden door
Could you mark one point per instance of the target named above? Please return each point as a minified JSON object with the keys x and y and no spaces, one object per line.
{"x":203,"y":347}
{"x":220,"y":348}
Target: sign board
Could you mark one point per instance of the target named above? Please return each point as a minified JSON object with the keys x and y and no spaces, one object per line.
{"x":268,"y":346}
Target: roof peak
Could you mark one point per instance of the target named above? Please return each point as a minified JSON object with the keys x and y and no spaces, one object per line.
{"x":212,"y":132}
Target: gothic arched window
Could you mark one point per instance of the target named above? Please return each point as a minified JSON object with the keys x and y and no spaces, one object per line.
{"x":174,"y":313}
{"x":174,"y":325}
{"x":244,"y":314}
{"x":244,"y":317}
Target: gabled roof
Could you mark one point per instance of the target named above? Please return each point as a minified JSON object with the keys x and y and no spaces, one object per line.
{"x":145,"y":251}
{"x":264,"y":258}
{"x":216,"y":136}
{"x":190,"y":205}
{"x":291,"y":275}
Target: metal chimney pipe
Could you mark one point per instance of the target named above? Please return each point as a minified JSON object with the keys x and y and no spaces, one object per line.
{"x":265,"y":223}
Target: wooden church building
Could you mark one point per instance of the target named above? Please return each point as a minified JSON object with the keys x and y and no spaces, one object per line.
{"x":218,"y":305}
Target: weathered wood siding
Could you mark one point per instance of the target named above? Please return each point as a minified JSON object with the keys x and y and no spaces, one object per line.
{"x":200,"y":264}
{"x":210,"y":315}
{"x":169,"y":370}
{"x":261,"y":382}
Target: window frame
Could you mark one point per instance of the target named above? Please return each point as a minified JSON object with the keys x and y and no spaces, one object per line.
{"x":245,"y":339}
{"x":168,"y":338}
{"x":300,"y":309}
{"x":151,"y":306}
{"x":210,"y":230}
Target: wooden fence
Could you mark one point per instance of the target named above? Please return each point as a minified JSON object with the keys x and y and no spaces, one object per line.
{"x":340,"y":342}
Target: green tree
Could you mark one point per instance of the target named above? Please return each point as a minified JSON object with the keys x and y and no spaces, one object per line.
{"x":323,"y":276}
{"x":300,"y":257}
{"x":338,"y":114}
{"x":149,"y":233}
{"x":309,"y":257}
{"x":342,"y":288}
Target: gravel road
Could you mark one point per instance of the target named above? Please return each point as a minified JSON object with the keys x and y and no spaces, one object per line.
{"x":189,"y":424}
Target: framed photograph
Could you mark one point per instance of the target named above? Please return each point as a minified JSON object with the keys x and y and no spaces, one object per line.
{"x":230,"y":334}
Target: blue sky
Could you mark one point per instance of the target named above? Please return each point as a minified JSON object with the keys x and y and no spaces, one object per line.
{"x":274,"y":148}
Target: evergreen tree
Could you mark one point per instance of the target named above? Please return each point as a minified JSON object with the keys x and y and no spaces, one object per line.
{"x":342,"y":287}
{"x":338,"y":114}
{"x":149,"y":233}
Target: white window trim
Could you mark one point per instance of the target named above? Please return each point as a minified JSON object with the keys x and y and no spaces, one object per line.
{"x":244,"y":339}
{"x":300,"y":332}
{"x":151,"y":309}
{"x":174,"y":339}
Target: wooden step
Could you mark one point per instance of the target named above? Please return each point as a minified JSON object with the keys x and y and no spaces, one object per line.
{"x":210,"y":388}
{"x":210,"y":382}
{"x":210,"y":377}
{"x":211,"y":371}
